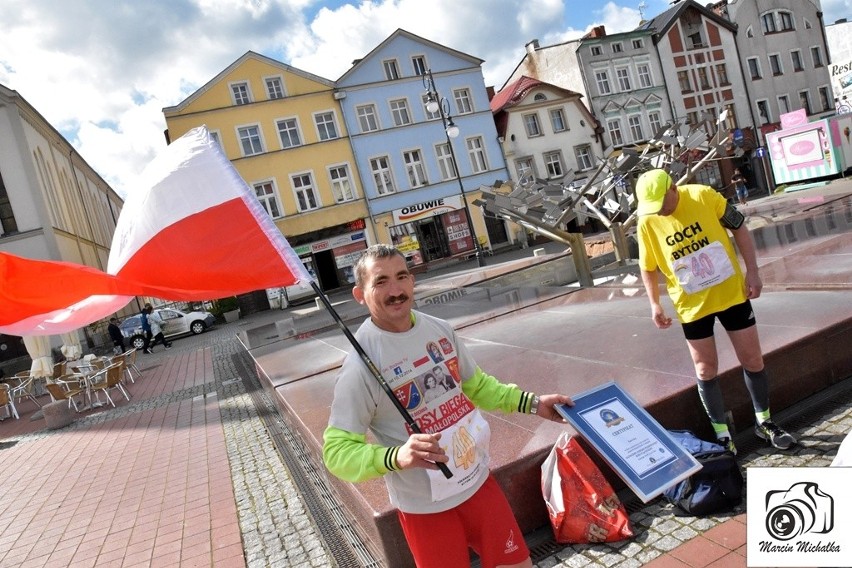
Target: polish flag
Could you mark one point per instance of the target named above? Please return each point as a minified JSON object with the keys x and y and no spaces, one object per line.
{"x":192,"y":230}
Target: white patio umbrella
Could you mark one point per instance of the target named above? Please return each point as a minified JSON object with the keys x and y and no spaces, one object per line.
{"x":71,"y":348}
{"x":38,"y":346}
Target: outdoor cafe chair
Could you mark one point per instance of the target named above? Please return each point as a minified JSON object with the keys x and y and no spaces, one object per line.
{"x":130,"y":363}
{"x":109,"y":378}
{"x":66,"y":388}
{"x":7,"y":402}
{"x":24,"y":388}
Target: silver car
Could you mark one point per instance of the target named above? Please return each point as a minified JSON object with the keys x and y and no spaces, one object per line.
{"x":176,"y":323}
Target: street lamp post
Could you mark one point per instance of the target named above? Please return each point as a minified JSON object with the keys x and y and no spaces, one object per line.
{"x":437,"y":104}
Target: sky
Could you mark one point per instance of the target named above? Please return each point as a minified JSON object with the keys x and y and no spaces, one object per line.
{"x":101,"y":71}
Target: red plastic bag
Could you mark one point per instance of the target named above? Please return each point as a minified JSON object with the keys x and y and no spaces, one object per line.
{"x":583,"y":506}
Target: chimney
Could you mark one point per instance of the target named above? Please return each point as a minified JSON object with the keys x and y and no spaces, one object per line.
{"x":532,"y":46}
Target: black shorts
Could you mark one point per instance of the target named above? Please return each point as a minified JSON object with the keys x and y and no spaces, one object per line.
{"x":734,"y":318}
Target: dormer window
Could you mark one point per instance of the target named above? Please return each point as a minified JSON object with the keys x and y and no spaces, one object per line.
{"x":540,"y":97}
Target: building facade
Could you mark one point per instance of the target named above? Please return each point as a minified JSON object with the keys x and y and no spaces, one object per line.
{"x":784,"y":56}
{"x":626,"y":87}
{"x":418,"y":180}
{"x":53,"y":205}
{"x":546,"y":131}
{"x":283,"y":131}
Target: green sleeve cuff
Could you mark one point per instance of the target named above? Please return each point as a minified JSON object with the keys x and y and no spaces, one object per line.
{"x":488,"y":393}
{"x":348,"y":456}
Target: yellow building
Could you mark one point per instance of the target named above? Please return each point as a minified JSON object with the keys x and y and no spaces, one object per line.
{"x":282,"y":129}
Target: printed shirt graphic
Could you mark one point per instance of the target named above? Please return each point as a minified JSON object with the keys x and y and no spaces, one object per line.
{"x":425,"y":367}
{"x":665,"y":241}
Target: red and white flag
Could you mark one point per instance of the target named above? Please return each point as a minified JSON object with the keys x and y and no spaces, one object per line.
{"x":192,"y":230}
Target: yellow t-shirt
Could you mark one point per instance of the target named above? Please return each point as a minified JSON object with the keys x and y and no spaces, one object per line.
{"x":684,"y":237}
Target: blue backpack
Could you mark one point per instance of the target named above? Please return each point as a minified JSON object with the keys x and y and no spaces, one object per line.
{"x":716,"y":488}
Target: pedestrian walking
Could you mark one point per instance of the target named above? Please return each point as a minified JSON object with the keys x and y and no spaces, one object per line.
{"x":116,"y":336}
{"x":441,"y":517}
{"x":683,"y":235}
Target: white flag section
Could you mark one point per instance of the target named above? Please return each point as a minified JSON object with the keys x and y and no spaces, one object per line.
{"x":191,"y":230}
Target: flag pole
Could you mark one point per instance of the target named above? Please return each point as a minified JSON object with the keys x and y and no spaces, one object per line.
{"x":374,"y":371}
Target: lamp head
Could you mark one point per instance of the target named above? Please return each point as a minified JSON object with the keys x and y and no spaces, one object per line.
{"x":452,"y":129}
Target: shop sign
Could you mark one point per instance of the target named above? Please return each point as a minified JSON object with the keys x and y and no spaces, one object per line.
{"x":426,"y":209}
{"x":333,"y":242}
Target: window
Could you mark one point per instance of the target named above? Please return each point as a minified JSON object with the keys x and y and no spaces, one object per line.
{"x":382,"y":175}
{"x":614,"y":128}
{"x":637,"y":44}
{"x":275,"y":87}
{"x":692,"y":118}
{"x":306,"y":198}
{"x":240,"y":91}
{"x":722,"y":74}
{"x":531,"y":125}
{"x":784,"y":104}
{"x":476,"y":153}
{"x":445,"y":162}
{"x":553,"y":164}
{"x":8,"y":224}
{"x":816,"y":55}
{"x":414,"y":168}
{"x":805,"y":100}
{"x":763,"y":112}
{"x":644,"y":72}
{"x":367,"y":120}
{"x":463,"y":101}
{"x":557,"y":120}
{"x":825,"y":98}
{"x":288,"y":130}
{"x":768,"y":23}
{"x":703,"y":79}
{"x":214,"y":134}
{"x":683,"y":81}
{"x":540,"y":97}
{"x":754,"y":67}
{"x":418,"y":62}
{"x":775,"y":64}
{"x":583,"y":154}
{"x":391,"y":69}
{"x":341,"y":185}
{"x":525,"y":166}
{"x":635,"y":123}
{"x":786,"y":21}
{"x":623,"y":77}
{"x":655,"y":122}
{"x":429,"y":115}
{"x":326,"y":127}
{"x":602,"y":79}
{"x":250,"y":140}
{"x":399,"y":111}
{"x":265,"y":192}
{"x":695,"y":40}
{"x":617,"y":48}
{"x":796,"y":56}
{"x":596,"y":50}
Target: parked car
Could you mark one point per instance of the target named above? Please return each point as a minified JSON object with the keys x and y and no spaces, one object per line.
{"x":176,"y":323}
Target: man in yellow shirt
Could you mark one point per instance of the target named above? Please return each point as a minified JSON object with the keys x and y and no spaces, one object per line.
{"x":683,"y":235}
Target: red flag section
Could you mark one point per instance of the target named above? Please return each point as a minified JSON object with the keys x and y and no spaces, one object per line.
{"x":194,"y":231}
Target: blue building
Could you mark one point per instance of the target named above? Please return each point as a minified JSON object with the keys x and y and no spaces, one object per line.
{"x":417,"y":178}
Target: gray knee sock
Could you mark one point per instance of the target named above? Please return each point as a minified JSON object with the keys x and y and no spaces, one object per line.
{"x":757,"y":383}
{"x":711,"y":397}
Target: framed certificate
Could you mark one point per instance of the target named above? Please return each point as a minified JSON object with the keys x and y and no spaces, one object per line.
{"x":637,"y":447}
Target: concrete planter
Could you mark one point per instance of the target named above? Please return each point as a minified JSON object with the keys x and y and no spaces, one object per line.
{"x":231,"y":316}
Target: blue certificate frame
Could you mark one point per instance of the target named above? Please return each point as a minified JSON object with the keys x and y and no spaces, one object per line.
{"x":637,"y":447}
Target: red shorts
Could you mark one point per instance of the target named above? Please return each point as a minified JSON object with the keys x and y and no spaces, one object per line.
{"x":484,"y":522}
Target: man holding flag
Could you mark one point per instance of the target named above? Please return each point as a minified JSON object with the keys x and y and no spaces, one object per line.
{"x":441,"y":516}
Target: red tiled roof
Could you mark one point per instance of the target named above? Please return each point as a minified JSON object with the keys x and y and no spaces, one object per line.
{"x":513,"y":93}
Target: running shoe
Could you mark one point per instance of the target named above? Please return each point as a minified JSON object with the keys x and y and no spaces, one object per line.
{"x":773,"y":434}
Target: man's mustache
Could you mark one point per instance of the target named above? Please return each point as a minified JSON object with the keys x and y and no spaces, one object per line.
{"x":400,"y":298}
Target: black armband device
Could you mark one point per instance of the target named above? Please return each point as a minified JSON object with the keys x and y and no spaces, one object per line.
{"x":732,"y":219}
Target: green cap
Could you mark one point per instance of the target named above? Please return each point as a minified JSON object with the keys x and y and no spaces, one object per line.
{"x":651,"y":188}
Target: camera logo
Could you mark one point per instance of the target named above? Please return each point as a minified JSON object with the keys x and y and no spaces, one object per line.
{"x":803,"y":508}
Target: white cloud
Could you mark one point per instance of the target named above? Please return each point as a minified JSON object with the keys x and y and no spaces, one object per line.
{"x":101,"y":71}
